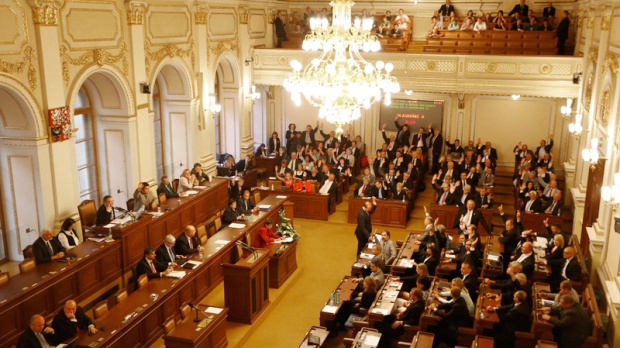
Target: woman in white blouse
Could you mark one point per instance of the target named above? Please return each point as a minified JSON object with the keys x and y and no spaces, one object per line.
{"x":67,"y":236}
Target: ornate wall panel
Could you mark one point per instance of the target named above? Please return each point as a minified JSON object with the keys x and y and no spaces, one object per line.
{"x":257,"y":23}
{"x":222,"y":23}
{"x":86,"y":25}
{"x":168,"y":24}
{"x":14,"y":33}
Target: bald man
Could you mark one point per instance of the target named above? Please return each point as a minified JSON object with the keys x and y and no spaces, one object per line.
{"x":69,"y":319}
{"x":36,"y":335}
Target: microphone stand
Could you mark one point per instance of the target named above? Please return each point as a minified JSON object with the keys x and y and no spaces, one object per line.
{"x":196,"y":320}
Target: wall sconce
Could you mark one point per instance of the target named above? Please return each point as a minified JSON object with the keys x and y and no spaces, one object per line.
{"x":591,"y":155}
{"x":253,"y":95}
{"x":575,"y":129}
{"x":567,"y":109}
{"x":611,"y":194}
{"x":214,"y":108}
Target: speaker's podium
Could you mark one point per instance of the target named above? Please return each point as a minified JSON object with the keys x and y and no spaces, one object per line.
{"x":246,"y":287}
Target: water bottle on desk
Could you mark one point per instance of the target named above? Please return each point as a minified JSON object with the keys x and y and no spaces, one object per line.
{"x":272,"y":187}
{"x":331,"y":298}
{"x":110,"y":234}
{"x":338,"y":296}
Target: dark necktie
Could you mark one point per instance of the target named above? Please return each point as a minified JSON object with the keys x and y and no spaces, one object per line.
{"x":172,"y":257}
{"x":49,"y":246}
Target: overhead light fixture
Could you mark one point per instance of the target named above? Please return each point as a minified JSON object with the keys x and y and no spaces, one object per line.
{"x":516,"y":96}
{"x":575,"y":129}
{"x":340,"y":82}
{"x":253,"y":95}
{"x":214,"y":107}
{"x":611,"y":194}
{"x":567,"y":109}
{"x":591,"y":155}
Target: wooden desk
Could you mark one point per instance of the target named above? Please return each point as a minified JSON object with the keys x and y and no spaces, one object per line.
{"x":421,"y":340}
{"x":46,"y":288}
{"x":246,"y":287}
{"x":363,"y":335}
{"x":149,"y":231}
{"x":144,"y":328}
{"x":492,"y":244}
{"x":447,"y":214}
{"x":485,"y":319}
{"x":250,"y":178}
{"x":283,"y":266}
{"x":482,"y":342}
{"x":347,"y":286}
{"x":269,"y":163}
{"x":535,"y":223}
{"x":319,"y":331}
{"x":428,"y":317}
{"x":385,"y":303}
{"x":401,"y":262}
{"x":356,"y":267}
{"x":307,"y":205}
{"x":542,"y":328}
{"x":210,"y":332}
{"x":546,"y":344}
{"x":389,"y":212}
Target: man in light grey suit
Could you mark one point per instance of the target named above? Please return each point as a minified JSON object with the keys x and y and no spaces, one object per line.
{"x":388,"y":248}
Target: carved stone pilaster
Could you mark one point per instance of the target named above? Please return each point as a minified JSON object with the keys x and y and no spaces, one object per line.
{"x":135,"y":12}
{"x":201,"y":14}
{"x":45,"y":12}
{"x":271,"y":17}
{"x":244,"y":15}
{"x":605,"y":22}
{"x":611,"y":64}
{"x":590,"y":16}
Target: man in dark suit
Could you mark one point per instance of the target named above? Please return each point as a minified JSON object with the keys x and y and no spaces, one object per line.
{"x":166,"y":254}
{"x":569,"y":269}
{"x":378,"y":190}
{"x":419,"y":140}
{"x":71,"y":318}
{"x":520,"y":8}
{"x":544,"y":147}
{"x":105,"y":213}
{"x":166,"y":188}
{"x":150,"y":266}
{"x":307,"y":136}
{"x":572,"y":327}
{"x":490,"y":150}
{"x":512,"y":317}
{"x":455,"y":315}
{"x":47,"y":249}
{"x":407,"y":181}
{"x":394,"y":325}
{"x":511,"y":234}
{"x":445,"y":194}
{"x":244,"y":203}
{"x":435,"y":144}
{"x":329,"y":139}
{"x":562,"y":32}
{"x":402,"y":137}
{"x":36,"y":335}
{"x":188,"y":243}
{"x":446,"y":9}
{"x":549,"y":11}
{"x":554,"y":207}
{"x":392,"y":143}
{"x":364,"y":188}
{"x":533,"y":204}
{"x":483,"y":199}
{"x":527,"y":259}
{"x":470,"y":216}
{"x":364,"y":227}
{"x":470,"y":279}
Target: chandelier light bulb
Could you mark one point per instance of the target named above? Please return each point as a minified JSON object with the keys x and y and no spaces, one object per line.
{"x":594,"y":155}
{"x":380,"y":64}
{"x":571,"y":128}
{"x":578,"y":118}
{"x":388,"y":99}
{"x":585,"y":154}
{"x":389,"y":67}
{"x":516,"y":96}
{"x":606,"y":193}
{"x":594,"y":143}
{"x":569,"y":102}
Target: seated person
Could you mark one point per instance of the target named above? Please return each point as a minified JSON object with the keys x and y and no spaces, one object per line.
{"x":166,"y":254}
{"x":409,"y":314}
{"x":533,"y":204}
{"x":166,"y":188}
{"x":237,"y":188}
{"x":47,"y":249}
{"x":483,"y":199}
{"x":399,"y":193}
{"x":245,"y":204}
{"x":384,"y":27}
{"x":329,"y":185}
{"x":499,"y":24}
{"x":105,"y":213}
{"x":458,"y":282}
{"x":480,"y":25}
{"x":281,"y":170}
{"x":68,"y":320}
{"x":453,"y":316}
{"x":454,"y":24}
{"x":67,"y":237}
{"x":36,"y":335}
{"x":364,"y":301}
{"x":150,"y":266}
{"x":186,"y":182}
{"x":546,"y":26}
{"x":231,"y":214}
{"x":517,"y":26}
{"x":199,"y":174}
{"x":572,"y":326}
{"x":265,"y":235}
{"x":566,"y":288}
{"x":468,"y":25}
{"x":378,"y":258}
{"x":261,"y":151}
{"x":188,"y":243}
{"x":376,"y":273}
{"x":144,"y":198}
{"x":512,"y":317}
{"x":532,"y":25}
{"x":287,"y":180}
{"x":396,"y":32}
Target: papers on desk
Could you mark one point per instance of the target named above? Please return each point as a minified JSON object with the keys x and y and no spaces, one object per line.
{"x":236,"y":225}
{"x":330,"y":309}
{"x":264,"y":206}
{"x":366,"y":256}
{"x":492,"y":257}
{"x":372,"y":340}
{"x":176,"y":274}
{"x":155,"y":214}
{"x":406,"y":263}
{"x":98,"y":240}
{"x":282,"y":197}
{"x":109,"y":226}
{"x":222,"y":241}
{"x":192,"y":262}
{"x":283,"y":240}
{"x":394,"y":284}
{"x":200,"y":187}
{"x":117,"y":221}
{"x":547,"y":303}
{"x":191,"y":192}
{"x":450,"y":256}
{"x":214,"y":310}
{"x":381,"y":311}
{"x":370,"y":245}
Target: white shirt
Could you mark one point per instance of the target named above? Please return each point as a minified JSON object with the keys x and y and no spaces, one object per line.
{"x":64,"y":240}
{"x":565,"y":266}
{"x":325,"y":188}
{"x":480,"y":26}
{"x":523,"y":257}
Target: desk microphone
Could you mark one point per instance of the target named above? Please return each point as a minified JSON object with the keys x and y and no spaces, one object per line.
{"x":196,"y":320}
{"x":121,"y":209}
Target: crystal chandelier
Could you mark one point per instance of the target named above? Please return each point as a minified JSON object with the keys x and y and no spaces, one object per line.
{"x":340,"y":82}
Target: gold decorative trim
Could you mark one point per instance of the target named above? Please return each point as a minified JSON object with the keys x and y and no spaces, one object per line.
{"x":169,"y":50}
{"x":244,"y":14}
{"x":201,"y":14}
{"x":45,"y":12}
{"x":97,"y":56}
{"x":135,"y":12}
{"x":610,"y":63}
{"x":143,"y":106}
{"x":24,"y":23}
{"x":224,"y":46}
{"x":593,"y":55}
{"x":18,"y":67}
{"x":590,"y":16}
{"x":605,"y":22}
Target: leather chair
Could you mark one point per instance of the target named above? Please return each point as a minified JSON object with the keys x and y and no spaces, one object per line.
{"x":256,"y":197}
{"x":130,"y":204}
{"x":217,"y":223}
{"x":143,"y":280}
{"x":169,"y":324}
{"x":28,"y":252}
{"x":185,"y":310}
{"x":162,"y":198}
{"x":4,"y":278}
{"x":88,"y":214}
{"x":175,"y":184}
{"x":201,"y":231}
{"x":27,"y":265}
{"x":100,"y":309}
{"x":121,"y":296}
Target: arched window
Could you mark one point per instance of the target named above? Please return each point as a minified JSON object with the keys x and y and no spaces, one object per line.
{"x":85,"y":147}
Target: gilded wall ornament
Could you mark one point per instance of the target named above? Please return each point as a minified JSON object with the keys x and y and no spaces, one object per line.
{"x":244,"y":15}
{"x":491,"y":67}
{"x":605,"y":23}
{"x":135,"y":12}
{"x":590,"y":20}
{"x":603,"y":114}
{"x":45,"y":12}
{"x":224,"y":46}
{"x":169,"y":50}
{"x":25,"y":64}
{"x":201,"y":14}
{"x":610,"y":63}
{"x":97,"y":56}
{"x":593,"y":54}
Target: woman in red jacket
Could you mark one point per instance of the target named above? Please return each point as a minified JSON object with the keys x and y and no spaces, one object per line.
{"x":265,"y":235}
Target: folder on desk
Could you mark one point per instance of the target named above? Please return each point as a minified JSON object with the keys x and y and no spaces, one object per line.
{"x":264,"y":206}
